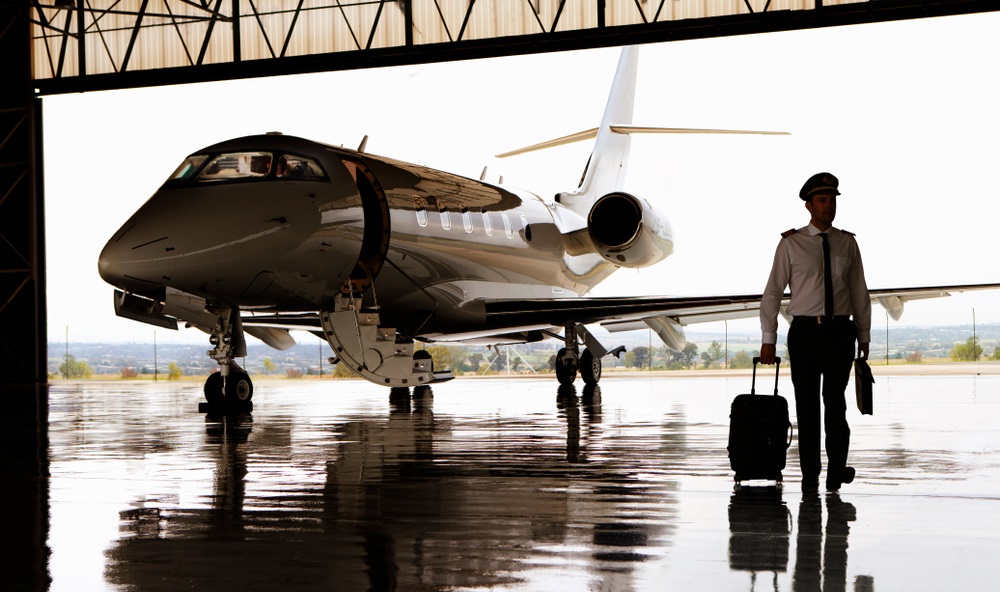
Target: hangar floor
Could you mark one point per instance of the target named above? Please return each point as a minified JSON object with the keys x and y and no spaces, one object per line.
{"x":509,"y":484}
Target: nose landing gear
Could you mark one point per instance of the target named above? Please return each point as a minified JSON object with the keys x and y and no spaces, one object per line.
{"x":237,"y":388}
{"x":231,"y":385}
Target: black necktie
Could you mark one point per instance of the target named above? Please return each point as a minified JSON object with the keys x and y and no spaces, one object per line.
{"x":827,"y":276}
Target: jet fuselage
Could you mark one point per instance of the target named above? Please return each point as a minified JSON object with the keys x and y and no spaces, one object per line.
{"x":280,"y":223}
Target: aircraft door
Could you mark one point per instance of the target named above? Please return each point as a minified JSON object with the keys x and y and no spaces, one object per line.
{"x":376,"y":232}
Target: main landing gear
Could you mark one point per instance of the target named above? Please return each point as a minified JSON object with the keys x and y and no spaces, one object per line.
{"x":231,"y":385}
{"x":569,"y":360}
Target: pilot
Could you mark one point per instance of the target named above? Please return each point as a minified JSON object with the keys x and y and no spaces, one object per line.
{"x":831,"y":310}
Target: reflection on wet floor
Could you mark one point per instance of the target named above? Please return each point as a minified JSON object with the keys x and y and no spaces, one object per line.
{"x":506,"y":484}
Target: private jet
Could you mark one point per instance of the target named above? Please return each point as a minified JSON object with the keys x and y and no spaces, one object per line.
{"x":270,"y":233}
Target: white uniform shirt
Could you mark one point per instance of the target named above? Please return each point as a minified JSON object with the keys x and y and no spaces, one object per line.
{"x":798,"y":264}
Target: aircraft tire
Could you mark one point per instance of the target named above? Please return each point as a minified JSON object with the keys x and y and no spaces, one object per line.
{"x":239,"y":388}
{"x":565,"y":373}
{"x":213,"y":389}
{"x":590,"y":368}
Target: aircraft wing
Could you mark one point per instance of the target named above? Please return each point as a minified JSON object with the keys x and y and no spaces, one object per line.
{"x":685,"y":310}
{"x":618,"y":310}
{"x":665,"y":315}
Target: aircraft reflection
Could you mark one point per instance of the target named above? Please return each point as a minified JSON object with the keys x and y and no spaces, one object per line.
{"x":569,"y":406}
{"x":405,"y":501}
{"x":492,"y":483}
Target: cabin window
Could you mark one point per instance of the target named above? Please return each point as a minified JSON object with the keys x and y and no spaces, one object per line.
{"x":236,"y":165}
{"x":506,"y":225}
{"x":421,"y":212}
{"x":445,"y":218}
{"x":467,"y":220}
{"x":487,"y":224}
{"x":188,"y":168}
{"x":291,"y":166}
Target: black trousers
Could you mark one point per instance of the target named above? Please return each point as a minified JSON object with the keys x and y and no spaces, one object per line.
{"x":821,"y":351}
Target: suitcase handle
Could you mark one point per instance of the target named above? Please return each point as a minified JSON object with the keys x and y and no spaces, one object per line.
{"x":777,"y":367}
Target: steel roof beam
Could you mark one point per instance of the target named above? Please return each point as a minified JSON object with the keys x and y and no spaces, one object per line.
{"x":766,"y":21}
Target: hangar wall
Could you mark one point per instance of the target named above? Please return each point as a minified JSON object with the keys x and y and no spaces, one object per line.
{"x":23,"y":341}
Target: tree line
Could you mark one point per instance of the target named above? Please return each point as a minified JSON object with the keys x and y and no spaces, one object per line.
{"x":520,"y":359}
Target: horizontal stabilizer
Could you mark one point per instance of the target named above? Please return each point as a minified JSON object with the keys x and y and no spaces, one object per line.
{"x":570,"y":139}
{"x":632,"y":129}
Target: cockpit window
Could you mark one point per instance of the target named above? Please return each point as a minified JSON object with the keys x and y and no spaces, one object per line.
{"x":188,"y":168}
{"x":256,"y":165}
{"x":236,"y":165}
{"x":291,"y":166}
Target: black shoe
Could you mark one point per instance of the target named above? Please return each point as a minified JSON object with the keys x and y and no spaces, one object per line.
{"x":846,"y":476}
{"x":811,"y":486}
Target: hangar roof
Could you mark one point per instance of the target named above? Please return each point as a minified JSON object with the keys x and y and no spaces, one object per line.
{"x":130,"y":43}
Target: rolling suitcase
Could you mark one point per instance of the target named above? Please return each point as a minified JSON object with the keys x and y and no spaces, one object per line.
{"x":759,"y":433}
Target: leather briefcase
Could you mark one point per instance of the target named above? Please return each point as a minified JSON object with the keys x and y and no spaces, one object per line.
{"x":863,"y":381}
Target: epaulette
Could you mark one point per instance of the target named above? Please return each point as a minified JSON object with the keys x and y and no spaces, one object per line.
{"x":847,"y":232}
{"x":789,"y":233}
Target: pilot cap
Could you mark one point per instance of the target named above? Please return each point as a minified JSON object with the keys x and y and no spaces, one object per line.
{"x":819,"y":183}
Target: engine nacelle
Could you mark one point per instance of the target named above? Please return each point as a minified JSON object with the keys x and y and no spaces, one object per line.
{"x":628,"y":231}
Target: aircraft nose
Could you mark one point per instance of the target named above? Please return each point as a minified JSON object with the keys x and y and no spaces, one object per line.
{"x":109,"y":264}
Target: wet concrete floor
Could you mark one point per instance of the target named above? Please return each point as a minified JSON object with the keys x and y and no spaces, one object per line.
{"x":504,"y":484}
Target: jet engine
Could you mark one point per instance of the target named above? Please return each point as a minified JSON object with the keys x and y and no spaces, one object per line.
{"x":627,"y":231}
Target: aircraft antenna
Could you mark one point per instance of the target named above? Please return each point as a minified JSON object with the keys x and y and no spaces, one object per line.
{"x":364,"y":142}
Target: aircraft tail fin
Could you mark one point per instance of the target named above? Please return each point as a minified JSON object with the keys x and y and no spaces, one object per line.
{"x":608,"y":163}
{"x":605,"y":171}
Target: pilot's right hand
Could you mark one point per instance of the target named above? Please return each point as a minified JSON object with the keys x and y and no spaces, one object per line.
{"x":767,"y":353}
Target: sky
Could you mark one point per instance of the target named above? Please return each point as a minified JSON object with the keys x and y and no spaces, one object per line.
{"x":905,"y":114}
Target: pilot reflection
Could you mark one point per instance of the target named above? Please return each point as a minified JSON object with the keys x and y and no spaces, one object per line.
{"x":821,"y":558}
{"x":760,"y":526}
{"x":809,"y":544}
